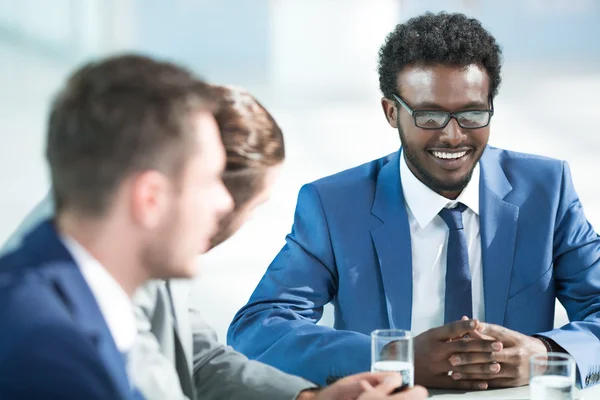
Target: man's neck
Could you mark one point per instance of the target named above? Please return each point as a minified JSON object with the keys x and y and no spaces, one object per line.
{"x":109,"y":244}
{"x":452,"y":195}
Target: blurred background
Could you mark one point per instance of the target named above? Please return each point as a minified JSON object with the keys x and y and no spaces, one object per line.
{"x":312,"y":63}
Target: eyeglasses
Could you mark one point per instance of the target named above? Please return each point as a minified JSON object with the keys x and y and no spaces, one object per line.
{"x":435,"y":119}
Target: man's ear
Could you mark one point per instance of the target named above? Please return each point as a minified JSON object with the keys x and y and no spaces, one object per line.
{"x":149,"y":198}
{"x":390,"y":110}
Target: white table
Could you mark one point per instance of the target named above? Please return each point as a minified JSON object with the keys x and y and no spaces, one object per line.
{"x":520,"y":393}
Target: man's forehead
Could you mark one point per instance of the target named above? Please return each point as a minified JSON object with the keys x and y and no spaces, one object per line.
{"x":444,"y":84}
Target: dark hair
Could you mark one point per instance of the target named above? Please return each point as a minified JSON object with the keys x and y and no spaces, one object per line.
{"x":446,"y":39}
{"x":115,"y":117}
{"x":253,"y":141}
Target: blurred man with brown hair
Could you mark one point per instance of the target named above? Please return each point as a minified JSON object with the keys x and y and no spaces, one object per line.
{"x":135,"y":161}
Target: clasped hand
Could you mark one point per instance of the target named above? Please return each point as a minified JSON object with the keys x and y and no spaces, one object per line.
{"x":479,"y":355}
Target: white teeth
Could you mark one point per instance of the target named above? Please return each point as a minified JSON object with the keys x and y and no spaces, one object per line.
{"x":451,"y":156}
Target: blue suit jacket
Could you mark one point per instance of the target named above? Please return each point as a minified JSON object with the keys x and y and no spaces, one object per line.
{"x":54,"y":341}
{"x":350,"y":245}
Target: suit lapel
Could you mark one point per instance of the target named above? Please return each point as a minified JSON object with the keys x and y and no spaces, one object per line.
{"x":498,"y":235}
{"x":57,"y":264}
{"x":179,"y":290}
{"x":392,"y":244}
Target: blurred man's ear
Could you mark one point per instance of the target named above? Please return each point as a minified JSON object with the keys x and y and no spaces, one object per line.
{"x":150,"y":194}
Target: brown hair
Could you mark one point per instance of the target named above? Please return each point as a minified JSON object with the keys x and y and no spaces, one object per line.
{"x":252,"y":139}
{"x":253,"y":142}
{"x":115,"y":117}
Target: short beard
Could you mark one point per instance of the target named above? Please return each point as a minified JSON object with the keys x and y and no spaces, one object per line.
{"x":430,"y":181}
{"x":157,"y":254}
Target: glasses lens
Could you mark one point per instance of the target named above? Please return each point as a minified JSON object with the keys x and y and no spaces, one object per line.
{"x":430,"y":119}
{"x":473,"y":119}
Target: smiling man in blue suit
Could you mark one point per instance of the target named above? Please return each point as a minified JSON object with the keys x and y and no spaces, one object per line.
{"x":135,"y":159}
{"x":444,"y":229}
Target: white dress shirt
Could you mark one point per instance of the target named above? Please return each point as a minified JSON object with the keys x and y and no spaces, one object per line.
{"x":115,"y":305}
{"x":429,"y":239}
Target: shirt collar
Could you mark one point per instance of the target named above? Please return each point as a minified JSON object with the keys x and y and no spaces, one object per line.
{"x":115,"y":305}
{"x":425,"y":204}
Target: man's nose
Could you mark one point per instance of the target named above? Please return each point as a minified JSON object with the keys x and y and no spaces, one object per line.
{"x":452,"y":134}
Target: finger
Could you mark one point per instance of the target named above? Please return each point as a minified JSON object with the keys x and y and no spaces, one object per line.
{"x":472,"y":346}
{"x":416,"y":393}
{"x":454,"y":329}
{"x":512,"y":356}
{"x":505,"y":382}
{"x":499,"y":332}
{"x":466,"y":384}
{"x":466,"y":335}
{"x":482,"y":377}
{"x":389,"y":384}
{"x":505,"y":372}
{"x":372,"y":378}
{"x":479,"y":335}
{"x":475,"y":334}
{"x":480,"y":358}
{"x":352,"y":386}
{"x":486,"y":368}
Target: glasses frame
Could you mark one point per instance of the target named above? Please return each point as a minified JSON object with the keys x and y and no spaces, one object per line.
{"x":449,"y":115}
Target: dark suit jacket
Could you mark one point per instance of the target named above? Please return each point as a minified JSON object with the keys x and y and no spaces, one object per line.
{"x":54,"y":341}
{"x":180,"y":358}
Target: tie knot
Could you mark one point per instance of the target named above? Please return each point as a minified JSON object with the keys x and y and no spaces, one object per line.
{"x":453,"y":216}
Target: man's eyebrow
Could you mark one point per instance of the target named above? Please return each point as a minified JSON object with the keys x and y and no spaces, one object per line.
{"x":427,"y":105}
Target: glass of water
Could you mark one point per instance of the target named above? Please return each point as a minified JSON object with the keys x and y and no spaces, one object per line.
{"x":552,"y":377}
{"x":392,"y":351}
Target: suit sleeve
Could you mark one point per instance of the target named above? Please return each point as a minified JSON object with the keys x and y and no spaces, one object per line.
{"x":577,"y":274}
{"x":153,"y":373}
{"x":222,"y":373}
{"x":39,"y":368}
{"x":278,"y":326}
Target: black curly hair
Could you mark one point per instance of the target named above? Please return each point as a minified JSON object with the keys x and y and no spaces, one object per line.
{"x":443,"y":38}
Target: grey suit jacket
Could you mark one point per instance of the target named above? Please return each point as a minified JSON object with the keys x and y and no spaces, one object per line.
{"x":177,"y":355}
{"x":172,"y":335}
{"x":161,"y":360}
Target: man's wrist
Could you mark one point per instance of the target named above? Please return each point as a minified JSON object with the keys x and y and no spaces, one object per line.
{"x":551,"y":345}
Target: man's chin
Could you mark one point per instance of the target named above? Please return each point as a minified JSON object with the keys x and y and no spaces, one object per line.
{"x":194,"y":268}
{"x":450,"y":183}
{"x":205,"y":246}
{"x":439,"y":179}
{"x":190,"y":270}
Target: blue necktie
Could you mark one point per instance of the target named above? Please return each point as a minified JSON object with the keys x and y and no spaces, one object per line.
{"x":458,"y":273}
